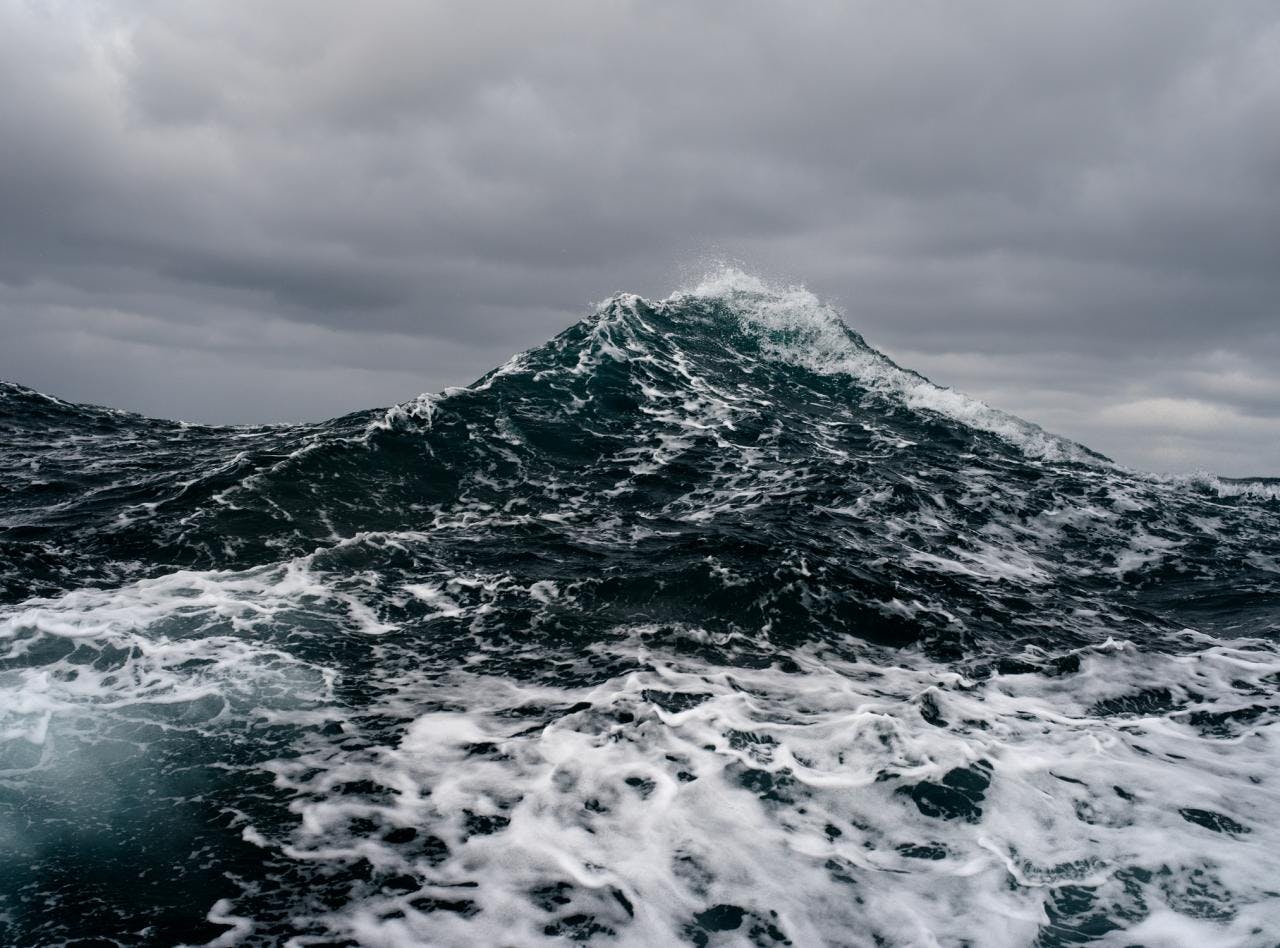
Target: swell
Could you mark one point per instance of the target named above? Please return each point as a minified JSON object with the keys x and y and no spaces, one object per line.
{"x":703,"y":621}
{"x":726,"y":428}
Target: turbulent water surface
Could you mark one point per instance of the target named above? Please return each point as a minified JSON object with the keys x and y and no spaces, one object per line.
{"x":703,"y":623}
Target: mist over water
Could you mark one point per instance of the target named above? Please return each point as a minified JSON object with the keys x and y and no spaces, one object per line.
{"x":703,"y":623}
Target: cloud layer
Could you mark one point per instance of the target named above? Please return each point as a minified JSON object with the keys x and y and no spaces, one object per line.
{"x":241,"y":211}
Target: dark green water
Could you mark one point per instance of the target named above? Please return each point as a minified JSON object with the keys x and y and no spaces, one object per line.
{"x":703,"y":623}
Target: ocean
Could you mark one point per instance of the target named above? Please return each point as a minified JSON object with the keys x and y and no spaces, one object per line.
{"x":703,"y":623}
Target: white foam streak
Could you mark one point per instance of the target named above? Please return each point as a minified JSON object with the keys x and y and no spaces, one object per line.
{"x":788,"y":799}
{"x":174,"y":642}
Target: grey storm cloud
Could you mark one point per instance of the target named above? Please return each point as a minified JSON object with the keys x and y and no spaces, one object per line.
{"x":248,"y":212}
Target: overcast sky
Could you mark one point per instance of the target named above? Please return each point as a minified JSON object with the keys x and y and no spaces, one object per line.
{"x":247,"y":211}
